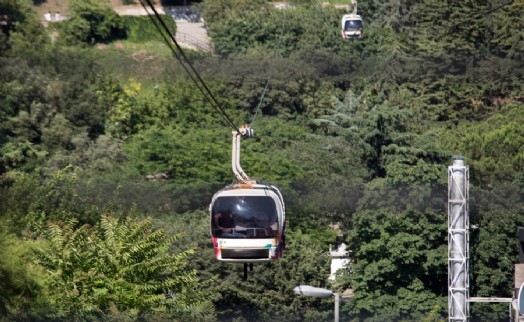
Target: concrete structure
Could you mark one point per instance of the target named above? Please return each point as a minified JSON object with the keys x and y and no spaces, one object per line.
{"x":339,"y":259}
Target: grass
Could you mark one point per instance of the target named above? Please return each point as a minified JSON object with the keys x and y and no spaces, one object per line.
{"x":143,"y":62}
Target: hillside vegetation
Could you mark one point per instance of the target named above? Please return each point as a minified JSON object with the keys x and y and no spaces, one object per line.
{"x":109,"y":157}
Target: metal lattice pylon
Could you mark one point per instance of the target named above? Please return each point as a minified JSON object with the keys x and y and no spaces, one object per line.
{"x":458,"y":241}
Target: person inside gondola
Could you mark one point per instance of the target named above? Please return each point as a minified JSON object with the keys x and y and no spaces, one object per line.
{"x":225,"y":222}
{"x":266,"y":224}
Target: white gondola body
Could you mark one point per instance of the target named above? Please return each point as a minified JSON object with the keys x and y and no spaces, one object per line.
{"x":352,"y":26}
{"x":249,"y":239}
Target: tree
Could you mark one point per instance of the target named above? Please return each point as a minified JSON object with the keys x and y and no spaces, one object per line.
{"x":27,"y":200}
{"x":19,"y":17}
{"x":493,"y":276}
{"x":492,"y":147}
{"x":506,"y":24}
{"x":45,"y":113}
{"x":119,"y":266}
{"x":92,"y":21}
{"x":451,"y":34}
{"x":214,"y":11}
{"x":400,"y":264}
{"x":384,"y":139}
{"x":495,"y":214}
{"x":22,"y":294}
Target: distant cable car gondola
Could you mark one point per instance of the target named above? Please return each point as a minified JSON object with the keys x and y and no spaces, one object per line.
{"x":247,"y":217}
{"x":351,"y":24}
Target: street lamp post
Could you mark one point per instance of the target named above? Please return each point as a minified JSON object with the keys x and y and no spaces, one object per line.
{"x":307,"y":290}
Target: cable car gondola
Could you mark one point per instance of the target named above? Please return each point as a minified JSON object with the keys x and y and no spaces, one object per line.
{"x":352,"y":26}
{"x":247,"y":217}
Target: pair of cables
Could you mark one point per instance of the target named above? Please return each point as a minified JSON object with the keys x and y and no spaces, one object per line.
{"x":483,"y":13}
{"x":170,"y":39}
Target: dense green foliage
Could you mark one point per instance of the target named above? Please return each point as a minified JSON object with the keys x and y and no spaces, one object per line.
{"x":140,"y":28}
{"x":109,"y":156}
{"x":21,"y":281}
{"x":91,"y":21}
{"x":118,"y":267}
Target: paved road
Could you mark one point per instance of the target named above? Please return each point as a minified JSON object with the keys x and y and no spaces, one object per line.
{"x":193,"y":35}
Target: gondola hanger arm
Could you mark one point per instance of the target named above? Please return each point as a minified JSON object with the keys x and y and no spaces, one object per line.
{"x":245,"y":131}
{"x":354,"y":3}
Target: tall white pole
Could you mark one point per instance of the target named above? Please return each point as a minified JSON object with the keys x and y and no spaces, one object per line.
{"x":458,"y":241}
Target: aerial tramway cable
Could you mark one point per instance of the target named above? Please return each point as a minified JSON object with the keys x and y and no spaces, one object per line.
{"x":266,"y":87}
{"x":184,"y":61}
{"x":483,"y":13}
{"x":192,"y":72}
